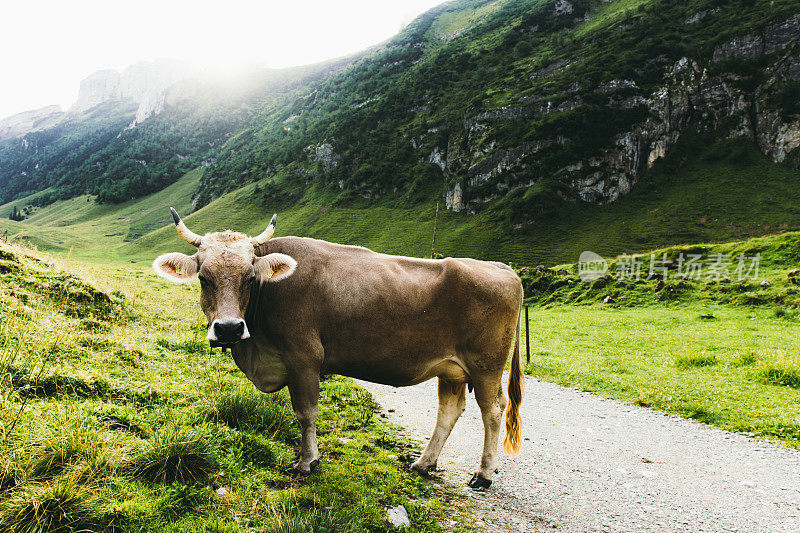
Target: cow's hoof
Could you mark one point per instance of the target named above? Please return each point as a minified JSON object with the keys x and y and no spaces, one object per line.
{"x":300,"y":469}
{"x":478,"y":482}
{"x":421,"y":470}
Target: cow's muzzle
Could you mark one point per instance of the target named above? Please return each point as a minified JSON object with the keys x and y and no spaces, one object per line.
{"x":227,"y":332}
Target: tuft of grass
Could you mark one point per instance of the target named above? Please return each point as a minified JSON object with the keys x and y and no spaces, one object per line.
{"x":58,"y":386}
{"x":695,"y":360}
{"x":123,"y":418}
{"x":643,"y":400}
{"x":10,"y":473}
{"x":779,"y":367}
{"x":63,"y":505}
{"x":697,"y":412}
{"x":9,"y":267}
{"x":745,"y":359}
{"x":785,"y":312}
{"x":248,"y":409}
{"x":179,"y":499}
{"x":71,"y":445}
{"x":254,"y":449}
{"x":296,"y":524}
{"x":195,"y":344}
{"x":131,"y":356}
{"x":95,"y":342}
{"x":92,"y":324}
{"x":175,"y":454}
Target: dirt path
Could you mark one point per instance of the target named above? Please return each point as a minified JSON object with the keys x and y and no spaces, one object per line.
{"x":590,"y":464}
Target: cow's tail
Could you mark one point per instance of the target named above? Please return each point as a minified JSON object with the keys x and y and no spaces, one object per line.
{"x":516,"y":383}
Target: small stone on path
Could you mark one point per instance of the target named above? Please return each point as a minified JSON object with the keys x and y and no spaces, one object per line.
{"x":398,"y":517}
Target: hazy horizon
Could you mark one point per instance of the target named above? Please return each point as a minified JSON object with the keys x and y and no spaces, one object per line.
{"x":84,"y":37}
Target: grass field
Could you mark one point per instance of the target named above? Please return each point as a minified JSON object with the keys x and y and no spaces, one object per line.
{"x":737,"y":368}
{"x":725,"y":352}
{"x":116,"y":416}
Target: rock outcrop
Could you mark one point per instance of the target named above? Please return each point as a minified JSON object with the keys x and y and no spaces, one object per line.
{"x":154,"y":102}
{"x":774,"y":38}
{"x":150,"y":84}
{"x":323,"y":154}
{"x":480,"y":170}
{"x":101,"y":86}
{"x":28,"y":121}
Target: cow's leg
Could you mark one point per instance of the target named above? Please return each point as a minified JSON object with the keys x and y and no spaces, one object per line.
{"x":492,"y":401}
{"x":304,"y":390}
{"x":451,"y":405}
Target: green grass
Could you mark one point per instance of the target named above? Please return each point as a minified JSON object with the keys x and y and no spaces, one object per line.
{"x":61,"y":506}
{"x":246,"y":409}
{"x":451,"y":23}
{"x":722,"y":352}
{"x":780,"y":368}
{"x":123,"y":421}
{"x":91,"y":230}
{"x":63,"y":448}
{"x":691,"y":359}
{"x":608,"y":13}
{"x":176,"y":454}
{"x":738,"y":371}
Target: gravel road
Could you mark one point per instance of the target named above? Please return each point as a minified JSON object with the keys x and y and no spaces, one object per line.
{"x":591,"y":464}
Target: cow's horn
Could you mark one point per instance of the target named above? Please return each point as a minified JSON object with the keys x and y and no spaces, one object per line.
{"x":267,"y":234}
{"x":183,"y":231}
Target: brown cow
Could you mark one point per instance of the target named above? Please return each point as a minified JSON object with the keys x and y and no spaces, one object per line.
{"x":293,"y":309}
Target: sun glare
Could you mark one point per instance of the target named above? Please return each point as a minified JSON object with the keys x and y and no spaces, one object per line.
{"x":50,"y":46}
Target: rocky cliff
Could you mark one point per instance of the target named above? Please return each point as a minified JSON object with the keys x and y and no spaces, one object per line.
{"x":152,"y":85}
{"x":520,"y":106}
{"x":708,"y":96}
{"x":29,"y":121}
{"x":101,"y":86}
{"x":144,"y":83}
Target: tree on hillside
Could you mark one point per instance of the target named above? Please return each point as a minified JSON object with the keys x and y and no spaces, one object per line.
{"x":16,"y":214}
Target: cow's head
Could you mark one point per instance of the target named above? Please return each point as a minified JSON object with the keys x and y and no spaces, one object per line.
{"x":227,"y":266}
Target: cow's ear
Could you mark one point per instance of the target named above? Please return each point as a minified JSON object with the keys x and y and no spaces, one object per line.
{"x":176,"y":267}
{"x":274,"y":267}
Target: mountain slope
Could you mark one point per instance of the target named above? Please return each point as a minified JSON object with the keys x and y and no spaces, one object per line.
{"x":719,"y":193}
{"x":543,"y":128}
{"x":518,"y":106}
{"x":128,"y":136}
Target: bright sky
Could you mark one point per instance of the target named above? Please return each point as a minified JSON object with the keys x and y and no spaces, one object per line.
{"x":48,"y":46}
